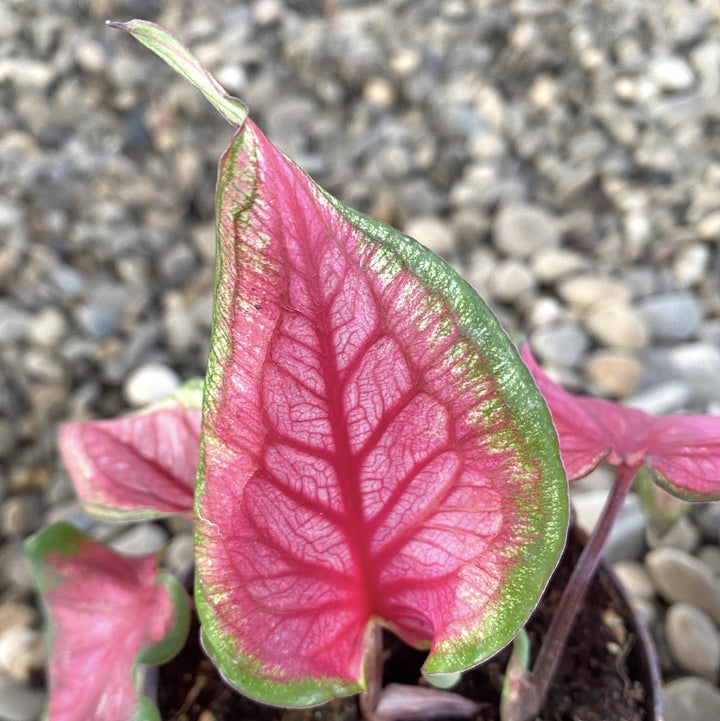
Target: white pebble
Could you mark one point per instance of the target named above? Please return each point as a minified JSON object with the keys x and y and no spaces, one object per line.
{"x":150,"y":383}
{"x":694,"y":641}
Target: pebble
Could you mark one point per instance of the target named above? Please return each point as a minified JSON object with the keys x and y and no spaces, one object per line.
{"x":150,"y":383}
{"x":690,"y":264}
{"x":179,"y":555}
{"x":563,"y":344}
{"x":691,"y":699}
{"x":616,"y":324}
{"x":681,"y":577}
{"x":551,"y":264}
{"x":627,"y":537}
{"x":671,"y":73}
{"x":140,"y":539}
{"x":520,"y":229}
{"x":683,"y":534}
{"x":511,"y":281}
{"x":635,"y":579}
{"x":709,"y":227}
{"x":708,"y":521}
{"x":586,"y":291}
{"x":433,"y":232}
{"x":694,"y":641}
{"x":614,"y":373}
{"x":699,"y":366}
{"x":48,"y":327}
{"x":661,"y":398}
{"x":18,"y":702}
{"x":672,"y":317}
{"x":711,"y":556}
{"x":20,"y":515}
{"x":22,"y":652}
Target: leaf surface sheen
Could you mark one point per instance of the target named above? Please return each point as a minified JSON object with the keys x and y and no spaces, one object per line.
{"x":366,"y":459}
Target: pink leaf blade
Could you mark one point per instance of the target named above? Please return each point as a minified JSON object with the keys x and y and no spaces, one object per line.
{"x":136,"y":467}
{"x":588,"y":428}
{"x":106,"y":613}
{"x":684,"y":456}
{"x":682,"y":452}
{"x":373,"y":449}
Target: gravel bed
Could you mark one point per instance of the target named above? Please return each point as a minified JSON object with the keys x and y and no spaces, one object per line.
{"x":562,"y":156}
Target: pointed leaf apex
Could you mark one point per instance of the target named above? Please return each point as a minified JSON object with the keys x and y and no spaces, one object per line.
{"x":180,"y":59}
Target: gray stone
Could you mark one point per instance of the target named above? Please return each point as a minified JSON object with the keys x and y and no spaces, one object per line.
{"x":563,"y":344}
{"x":661,"y":398}
{"x":699,"y":366}
{"x":627,"y":537}
{"x":671,"y":73}
{"x":672,"y":316}
{"x":691,"y":699}
{"x":98,"y":319}
{"x":680,"y":577}
{"x":150,"y":383}
{"x":694,"y":641}
{"x":708,"y":521}
{"x":511,"y":281}
{"x":140,"y":539}
{"x":18,"y":702}
{"x":20,"y":515}
{"x":710,"y":555}
{"x":683,"y":534}
{"x":520,"y":229}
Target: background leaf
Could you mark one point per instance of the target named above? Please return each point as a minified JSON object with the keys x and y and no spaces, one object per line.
{"x":141,"y":465}
{"x":105,"y":612}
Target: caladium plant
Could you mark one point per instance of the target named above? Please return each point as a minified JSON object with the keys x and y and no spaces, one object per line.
{"x":374,"y":452}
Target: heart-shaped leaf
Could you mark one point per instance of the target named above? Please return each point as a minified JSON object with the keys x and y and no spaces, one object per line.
{"x":106,"y":614}
{"x":141,"y":465}
{"x":374,"y":452}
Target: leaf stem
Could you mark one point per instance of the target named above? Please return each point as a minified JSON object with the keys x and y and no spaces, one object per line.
{"x":570,"y":602}
{"x":373,"y":673}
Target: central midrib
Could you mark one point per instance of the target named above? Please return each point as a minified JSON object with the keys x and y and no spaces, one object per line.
{"x":343,"y":461}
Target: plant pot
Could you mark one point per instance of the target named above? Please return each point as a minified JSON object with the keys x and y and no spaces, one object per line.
{"x":608,"y":671}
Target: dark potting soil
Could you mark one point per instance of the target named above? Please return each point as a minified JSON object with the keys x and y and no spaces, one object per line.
{"x":597,"y":679}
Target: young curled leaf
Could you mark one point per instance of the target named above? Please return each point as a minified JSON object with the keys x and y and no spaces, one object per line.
{"x":106,"y":613}
{"x":139,"y":466}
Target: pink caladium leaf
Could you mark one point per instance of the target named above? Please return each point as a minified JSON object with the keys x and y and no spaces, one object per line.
{"x":681,"y":452}
{"x":139,"y":466}
{"x":374,"y":451}
{"x":106,"y":614}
